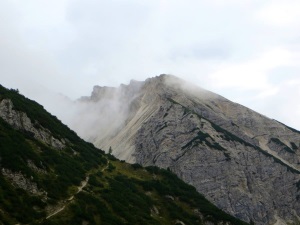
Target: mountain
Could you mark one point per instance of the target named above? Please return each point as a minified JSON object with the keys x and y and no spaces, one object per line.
{"x":48,"y":175}
{"x":245,"y":163}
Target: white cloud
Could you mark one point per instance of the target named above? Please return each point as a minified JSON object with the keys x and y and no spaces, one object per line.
{"x":280,"y":13}
{"x":252,"y":74}
{"x":282,"y":105}
{"x":236,"y":48}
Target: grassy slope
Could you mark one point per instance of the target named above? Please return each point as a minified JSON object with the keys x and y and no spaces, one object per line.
{"x":125,"y":194}
{"x":116,"y":194}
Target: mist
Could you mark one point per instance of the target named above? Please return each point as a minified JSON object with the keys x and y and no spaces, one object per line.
{"x":98,"y":116}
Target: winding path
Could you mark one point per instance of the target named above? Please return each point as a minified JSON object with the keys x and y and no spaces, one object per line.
{"x":80,"y":188}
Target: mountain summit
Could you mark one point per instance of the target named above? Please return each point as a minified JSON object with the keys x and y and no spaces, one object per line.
{"x":245,"y":163}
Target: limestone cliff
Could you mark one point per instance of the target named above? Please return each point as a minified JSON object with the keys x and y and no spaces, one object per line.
{"x":21,"y":121}
{"x":244,"y":162}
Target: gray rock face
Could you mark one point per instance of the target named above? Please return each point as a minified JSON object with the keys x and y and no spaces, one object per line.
{"x":20,"y":181}
{"x":20,"y":121}
{"x":236,"y":175}
{"x":244,"y":162}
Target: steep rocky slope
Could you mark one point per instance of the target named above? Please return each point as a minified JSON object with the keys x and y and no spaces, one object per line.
{"x":244,"y":162}
{"x":48,"y":175}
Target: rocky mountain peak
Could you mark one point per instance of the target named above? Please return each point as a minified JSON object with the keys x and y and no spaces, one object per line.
{"x":238,"y":158}
{"x":100,"y":92}
{"x":163,"y":81}
{"x":123,"y":92}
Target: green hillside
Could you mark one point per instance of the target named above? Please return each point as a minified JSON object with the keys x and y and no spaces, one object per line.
{"x":80,"y":184}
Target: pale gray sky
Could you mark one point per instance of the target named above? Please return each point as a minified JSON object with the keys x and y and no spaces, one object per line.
{"x":245,"y":50}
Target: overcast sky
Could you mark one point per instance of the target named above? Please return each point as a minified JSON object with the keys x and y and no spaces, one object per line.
{"x":245,"y":50}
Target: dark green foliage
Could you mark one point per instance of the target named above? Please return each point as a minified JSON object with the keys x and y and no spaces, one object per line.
{"x":94,"y":181}
{"x":294,"y":146}
{"x":62,"y":169}
{"x":136,"y":166}
{"x":203,"y":138}
{"x":4,"y":220}
{"x":111,"y":167}
{"x":229,"y":136}
{"x":18,"y":204}
{"x":125,"y":198}
{"x":15,"y":151}
{"x":88,"y":207}
{"x":125,"y":202}
{"x":281,"y":144}
{"x":110,"y":150}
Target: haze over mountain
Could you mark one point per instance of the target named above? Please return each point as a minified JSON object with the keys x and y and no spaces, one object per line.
{"x":244,"y":162}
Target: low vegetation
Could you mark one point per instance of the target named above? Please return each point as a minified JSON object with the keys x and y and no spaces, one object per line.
{"x":132,"y":194}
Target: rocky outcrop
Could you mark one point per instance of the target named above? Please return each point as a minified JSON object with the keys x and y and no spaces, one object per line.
{"x":36,"y":169}
{"x":20,"y":181}
{"x":244,"y":162}
{"x":19,"y":120}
